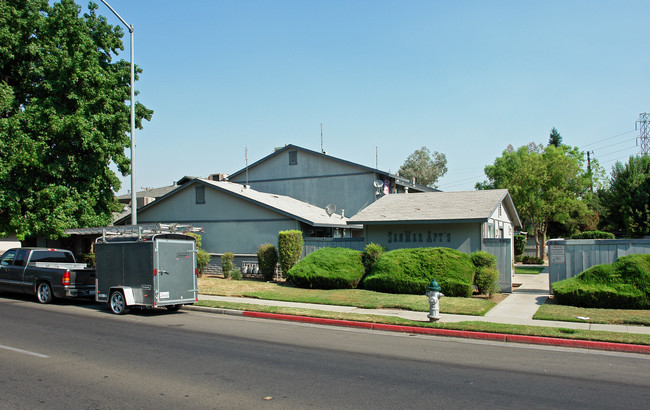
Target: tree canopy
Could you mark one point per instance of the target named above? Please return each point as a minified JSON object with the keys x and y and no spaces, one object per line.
{"x":627,"y":201}
{"x":546,"y":184}
{"x":64,"y":117}
{"x":425,"y":167}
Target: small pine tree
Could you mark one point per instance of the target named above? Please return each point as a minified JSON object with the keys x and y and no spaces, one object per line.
{"x":226,"y":263}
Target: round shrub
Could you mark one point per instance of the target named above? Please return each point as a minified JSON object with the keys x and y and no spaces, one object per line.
{"x":289,"y":249}
{"x":328,"y":268}
{"x":486,"y":279}
{"x":532,"y":260}
{"x":483,"y":259}
{"x":593,"y":235}
{"x":625,"y":284}
{"x":486,"y":275}
{"x":412,"y":270}
{"x":267,"y":257}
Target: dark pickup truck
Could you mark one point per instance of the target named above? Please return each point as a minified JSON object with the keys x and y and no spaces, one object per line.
{"x":46,"y":273}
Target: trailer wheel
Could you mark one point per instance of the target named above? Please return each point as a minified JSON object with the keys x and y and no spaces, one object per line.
{"x":173,"y":308}
{"x":117,"y":303}
{"x":44,"y":293}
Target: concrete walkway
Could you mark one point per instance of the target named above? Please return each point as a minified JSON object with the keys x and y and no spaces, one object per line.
{"x":517,"y":308}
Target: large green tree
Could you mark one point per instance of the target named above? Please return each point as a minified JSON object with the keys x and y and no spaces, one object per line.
{"x":64,"y":117}
{"x":627,"y":199}
{"x":547,"y":185}
{"x":425,"y":167}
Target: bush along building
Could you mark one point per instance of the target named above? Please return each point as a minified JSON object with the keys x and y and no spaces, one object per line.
{"x":238,"y":219}
{"x":467,"y":221}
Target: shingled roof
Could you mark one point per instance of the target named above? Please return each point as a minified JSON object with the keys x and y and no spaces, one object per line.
{"x":299,"y":210}
{"x":437,"y":207}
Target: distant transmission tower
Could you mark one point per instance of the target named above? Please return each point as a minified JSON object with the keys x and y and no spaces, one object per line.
{"x":644,"y":133}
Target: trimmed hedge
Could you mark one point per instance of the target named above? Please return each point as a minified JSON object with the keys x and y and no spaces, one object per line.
{"x":593,"y":235}
{"x":625,"y":284}
{"x":267,"y":258}
{"x":328,"y":268}
{"x":290,"y":245}
{"x":411,"y":271}
{"x":371,"y":255}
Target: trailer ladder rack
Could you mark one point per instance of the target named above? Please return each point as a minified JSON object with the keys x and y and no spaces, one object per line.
{"x":150,"y":229}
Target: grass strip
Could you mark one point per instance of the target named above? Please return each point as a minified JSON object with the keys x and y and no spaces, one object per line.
{"x":553,"y":311}
{"x":343,"y":297}
{"x":528,"y":270}
{"x":577,"y":334}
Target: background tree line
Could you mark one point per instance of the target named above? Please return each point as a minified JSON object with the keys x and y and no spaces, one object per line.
{"x":557,"y":195}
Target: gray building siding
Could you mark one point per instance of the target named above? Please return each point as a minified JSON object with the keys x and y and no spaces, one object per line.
{"x":314,"y":179}
{"x":465,"y":237}
{"x":231,"y":224}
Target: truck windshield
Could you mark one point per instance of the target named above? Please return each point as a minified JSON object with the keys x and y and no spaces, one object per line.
{"x":52,"y":256}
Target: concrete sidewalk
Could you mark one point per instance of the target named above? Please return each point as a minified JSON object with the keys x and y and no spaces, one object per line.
{"x":517,"y":308}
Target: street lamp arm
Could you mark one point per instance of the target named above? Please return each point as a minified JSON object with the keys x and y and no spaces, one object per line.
{"x":129,"y":26}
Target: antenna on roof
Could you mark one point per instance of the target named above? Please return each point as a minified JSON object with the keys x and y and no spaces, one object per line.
{"x":376,"y":157}
{"x":321,"y":139}
{"x":246,"y":159}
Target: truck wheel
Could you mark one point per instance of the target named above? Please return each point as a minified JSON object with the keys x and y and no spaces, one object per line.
{"x":44,"y":293}
{"x":117,"y":303}
{"x":173,"y":308}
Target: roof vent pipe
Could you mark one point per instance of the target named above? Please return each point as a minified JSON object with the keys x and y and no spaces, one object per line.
{"x":342,"y":213}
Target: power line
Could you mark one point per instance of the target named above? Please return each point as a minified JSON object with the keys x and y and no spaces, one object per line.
{"x":609,"y":138}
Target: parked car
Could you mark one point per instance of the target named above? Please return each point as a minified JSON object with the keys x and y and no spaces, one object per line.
{"x":46,"y":273}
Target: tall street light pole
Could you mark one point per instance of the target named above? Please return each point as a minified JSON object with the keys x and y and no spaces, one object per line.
{"x":134,"y":199}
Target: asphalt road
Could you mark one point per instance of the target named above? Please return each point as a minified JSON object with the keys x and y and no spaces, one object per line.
{"x":75,"y":356}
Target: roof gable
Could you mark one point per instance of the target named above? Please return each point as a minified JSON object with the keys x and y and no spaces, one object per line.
{"x":348,"y":164}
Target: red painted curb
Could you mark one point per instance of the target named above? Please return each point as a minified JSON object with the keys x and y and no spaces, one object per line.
{"x":587,"y":344}
{"x":307,"y":319}
{"x":539,"y":340}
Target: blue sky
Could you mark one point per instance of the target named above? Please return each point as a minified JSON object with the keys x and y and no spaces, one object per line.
{"x":465,"y":78}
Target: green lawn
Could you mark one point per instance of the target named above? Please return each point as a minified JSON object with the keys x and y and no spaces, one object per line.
{"x":528,"y":270}
{"x":553,"y":311}
{"x":346,"y":297}
{"x":601,"y":336}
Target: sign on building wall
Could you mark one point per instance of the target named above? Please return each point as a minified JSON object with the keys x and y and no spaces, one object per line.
{"x":557,"y":253}
{"x":418,"y":237}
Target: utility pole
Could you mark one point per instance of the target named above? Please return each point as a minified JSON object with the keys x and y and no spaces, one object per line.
{"x":134,"y":199}
{"x":591,"y":178}
{"x":644,"y":133}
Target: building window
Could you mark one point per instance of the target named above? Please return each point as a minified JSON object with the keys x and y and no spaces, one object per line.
{"x":200,"y":194}
{"x":293,"y":157}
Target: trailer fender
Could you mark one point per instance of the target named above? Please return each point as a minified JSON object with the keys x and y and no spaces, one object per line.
{"x":128,"y":294}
